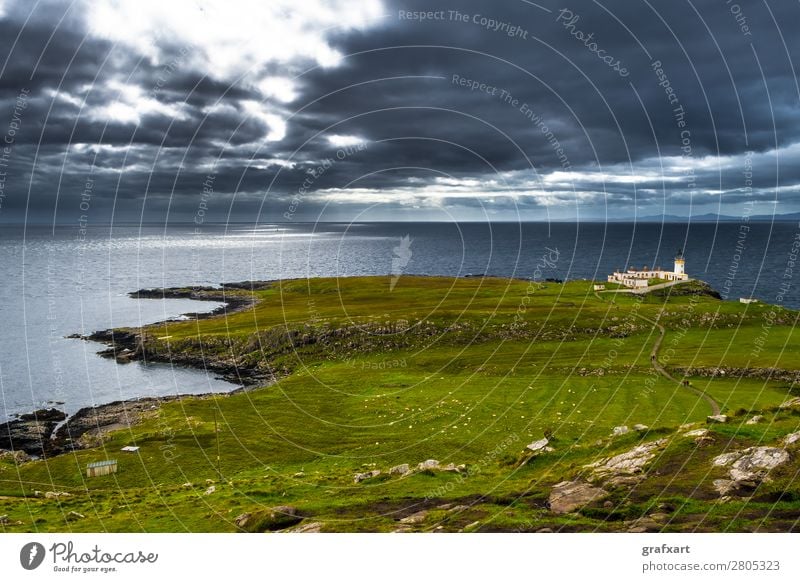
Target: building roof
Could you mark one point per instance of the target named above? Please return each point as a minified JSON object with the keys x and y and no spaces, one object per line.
{"x":101,"y":464}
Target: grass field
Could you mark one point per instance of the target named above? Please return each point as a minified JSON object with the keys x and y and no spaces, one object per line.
{"x":464,"y":371}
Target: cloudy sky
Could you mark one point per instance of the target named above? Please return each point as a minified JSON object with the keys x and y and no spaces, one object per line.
{"x":370,"y":110}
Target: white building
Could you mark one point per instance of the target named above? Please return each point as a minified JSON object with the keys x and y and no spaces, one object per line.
{"x":638,"y":279}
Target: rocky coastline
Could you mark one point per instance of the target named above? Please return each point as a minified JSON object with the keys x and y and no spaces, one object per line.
{"x":48,"y":432}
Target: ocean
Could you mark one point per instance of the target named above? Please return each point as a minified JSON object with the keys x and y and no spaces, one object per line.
{"x":58,"y":281}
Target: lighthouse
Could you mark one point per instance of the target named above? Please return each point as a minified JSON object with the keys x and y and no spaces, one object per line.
{"x":679,"y":264}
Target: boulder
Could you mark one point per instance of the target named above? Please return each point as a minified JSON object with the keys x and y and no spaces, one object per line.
{"x":56,"y":494}
{"x":717,"y":418}
{"x":539,"y":446}
{"x":640,"y":427}
{"x":757,"y":462}
{"x":401,"y":470}
{"x":242,"y":519}
{"x":429,"y":465}
{"x":698,"y":432}
{"x":415,"y":518}
{"x":792,"y":438}
{"x":210,"y":490}
{"x":643,"y":525}
{"x":748,"y":468}
{"x":313,"y":527}
{"x":729,"y":487}
{"x":359,"y":477}
{"x":793,"y":403}
{"x":568,"y":496}
{"x":620,"y":430}
{"x":628,"y":463}
{"x":726,"y":459}
{"x":756,"y":419}
{"x":74,"y":515}
{"x":4,"y":520}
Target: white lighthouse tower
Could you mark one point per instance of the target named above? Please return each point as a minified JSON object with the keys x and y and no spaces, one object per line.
{"x":680,"y":265}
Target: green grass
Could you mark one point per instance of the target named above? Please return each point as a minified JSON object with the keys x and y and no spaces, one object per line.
{"x":466,"y":371}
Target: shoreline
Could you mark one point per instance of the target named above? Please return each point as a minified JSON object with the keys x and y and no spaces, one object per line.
{"x":49,"y":432}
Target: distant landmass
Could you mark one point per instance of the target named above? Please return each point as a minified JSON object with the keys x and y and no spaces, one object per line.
{"x":711,"y":217}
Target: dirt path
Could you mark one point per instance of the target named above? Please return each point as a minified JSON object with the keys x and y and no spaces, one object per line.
{"x":715,"y":409}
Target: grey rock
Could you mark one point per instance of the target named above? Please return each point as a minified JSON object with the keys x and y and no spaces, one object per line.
{"x":620,"y":430}
{"x":568,"y":496}
{"x":359,"y":477}
{"x":792,"y":438}
{"x":628,"y":463}
{"x":717,"y":418}
{"x":538,"y":446}
{"x":312,"y":527}
{"x":401,"y":470}
{"x":726,"y":459}
{"x":643,"y":525}
{"x":793,"y":403}
{"x":56,"y":494}
{"x":698,"y":432}
{"x":429,"y":465}
{"x":757,"y":462}
{"x":415,"y":518}
{"x":756,"y":419}
{"x":242,"y":519}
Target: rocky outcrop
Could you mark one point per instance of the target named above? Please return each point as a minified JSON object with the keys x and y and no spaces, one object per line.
{"x":401,"y":470}
{"x":31,"y":433}
{"x":747,"y":468}
{"x":86,"y":427}
{"x":793,"y":403}
{"x":415,"y":518}
{"x":791,"y":439}
{"x":717,"y":418}
{"x":359,"y":477}
{"x":429,"y":465}
{"x":311,"y":527}
{"x":568,"y":496}
{"x":630,"y":463}
{"x":540,"y":446}
{"x":17,"y":457}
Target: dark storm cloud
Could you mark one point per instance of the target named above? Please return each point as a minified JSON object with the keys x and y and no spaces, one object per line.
{"x":148,"y":132}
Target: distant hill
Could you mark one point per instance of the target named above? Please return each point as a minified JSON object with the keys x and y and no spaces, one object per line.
{"x":711,"y":217}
